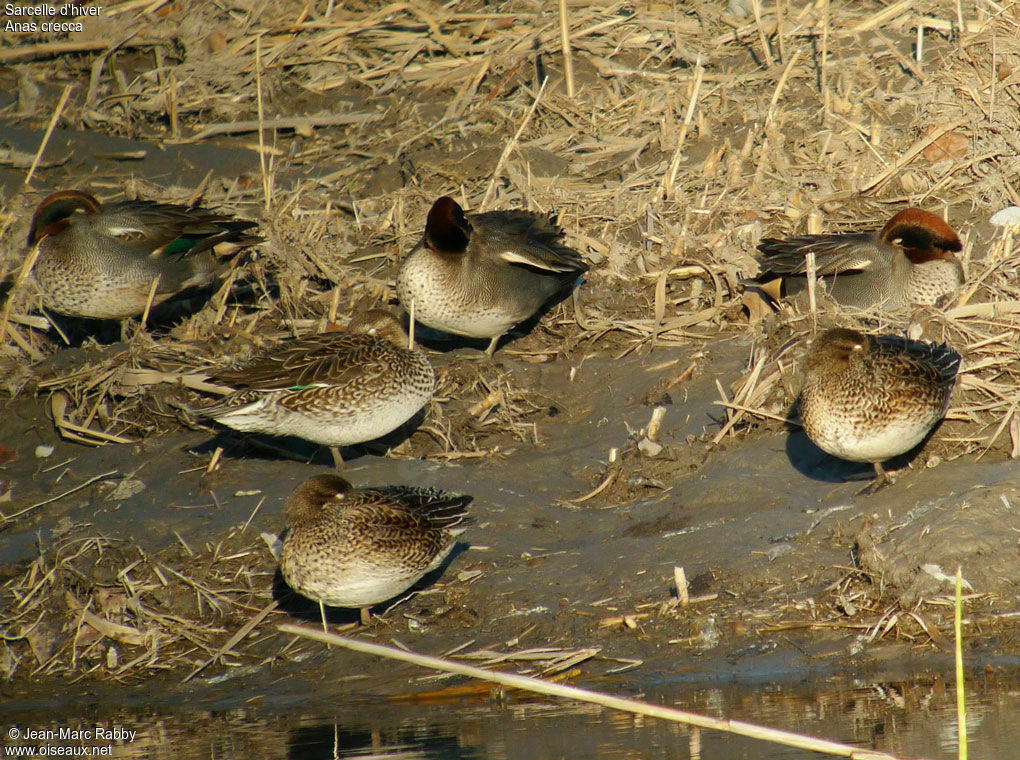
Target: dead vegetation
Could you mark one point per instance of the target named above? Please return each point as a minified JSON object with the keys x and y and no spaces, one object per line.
{"x":94,"y":605}
{"x":690,"y":134}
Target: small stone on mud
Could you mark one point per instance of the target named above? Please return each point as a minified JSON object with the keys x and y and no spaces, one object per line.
{"x":649,"y":448}
{"x":125,"y":489}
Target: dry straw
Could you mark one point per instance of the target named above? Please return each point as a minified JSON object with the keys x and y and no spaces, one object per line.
{"x":548,"y":688}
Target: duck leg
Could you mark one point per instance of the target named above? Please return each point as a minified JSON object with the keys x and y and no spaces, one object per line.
{"x":338,"y":460}
{"x":366,"y":616}
{"x":492,"y":345}
{"x":882,"y":479}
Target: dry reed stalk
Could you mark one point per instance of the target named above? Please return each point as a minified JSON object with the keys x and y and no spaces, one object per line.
{"x":54,"y":118}
{"x":884,"y":15}
{"x":809,"y":265}
{"x":548,"y":688}
{"x":149,"y":300}
{"x":233,"y":640}
{"x":23,"y":273}
{"x":910,"y":155}
{"x":498,"y":171}
{"x":669,"y":180}
{"x":95,"y":479}
{"x":568,"y":60}
{"x":289,"y":122}
{"x":779,"y":30}
{"x":266,"y":186}
{"x":780,"y":85}
{"x":823,"y":66}
{"x":961,"y":702}
{"x":762,"y":38}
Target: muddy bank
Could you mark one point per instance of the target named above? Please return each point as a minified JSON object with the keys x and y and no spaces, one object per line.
{"x":766,"y":533}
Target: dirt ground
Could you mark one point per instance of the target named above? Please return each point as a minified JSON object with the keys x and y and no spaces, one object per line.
{"x":125,"y":558}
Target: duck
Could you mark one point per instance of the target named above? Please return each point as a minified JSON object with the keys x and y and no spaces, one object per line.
{"x":479,"y":275}
{"x":869,"y":399}
{"x":100,"y":260}
{"x":908,"y":262}
{"x":333,"y":388}
{"x":357,"y":547}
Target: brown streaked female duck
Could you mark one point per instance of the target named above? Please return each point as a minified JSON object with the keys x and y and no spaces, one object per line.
{"x":100,"y":260}
{"x":868,"y":399}
{"x":478,"y":275}
{"x":910,"y":261}
{"x":335,"y":389}
{"x":348,"y":547}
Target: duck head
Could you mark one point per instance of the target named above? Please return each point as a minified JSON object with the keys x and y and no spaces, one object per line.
{"x":53,"y":214}
{"x":447,"y":229}
{"x":833,"y":350}
{"x":308,"y":499}
{"x":922,"y":235}
{"x":381,"y":324}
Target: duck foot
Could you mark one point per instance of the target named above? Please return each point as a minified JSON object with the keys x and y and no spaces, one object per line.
{"x":882,"y":479}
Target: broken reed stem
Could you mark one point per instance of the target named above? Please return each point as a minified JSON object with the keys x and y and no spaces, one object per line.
{"x":674,"y":164}
{"x":767,"y":126}
{"x":766,"y":52}
{"x":779,"y":88}
{"x":238,"y":636}
{"x":491,"y":189}
{"x":961,"y":28}
{"x":911,"y":154}
{"x":823,"y":77}
{"x":549,"y":688}
{"x":757,"y":412}
{"x":568,"y":61}
{"x":8,"y":518}
{"x":961,"y":705}
{"x":809,"y":263}
{"x":779,"y":30}
{"x":49,"y":131}
{"x":334,"y":305}
{"x":26,"y":269}
{"x":262,"y":121}
{"x":150,"y":299}
{"x":920,"y":44}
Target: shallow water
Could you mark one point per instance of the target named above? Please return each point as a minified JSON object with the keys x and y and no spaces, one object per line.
{"x":909,"y":720}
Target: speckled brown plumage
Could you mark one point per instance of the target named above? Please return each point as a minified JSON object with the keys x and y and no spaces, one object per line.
{"x":868,"y":399}
{"x":478,"y":275}
{"x":909,"y":261}
{"x":100,"y":260}
{"x":348,"y":547}
{"x":335,"y":389}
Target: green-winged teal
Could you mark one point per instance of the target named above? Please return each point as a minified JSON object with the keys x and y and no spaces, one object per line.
{"x":100,"y":260}
{"x":478,"y":275}
{"x":868,"y":399}
{"x":910,"y":261}
{"x":348,"y":547}
{"x":335,"y":389}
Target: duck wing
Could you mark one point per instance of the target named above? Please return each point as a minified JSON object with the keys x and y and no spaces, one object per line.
{"x":152,"y":229}
{"x":525,"y":238}
{"x":333,"y":358}
{"x":833,"y":254}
